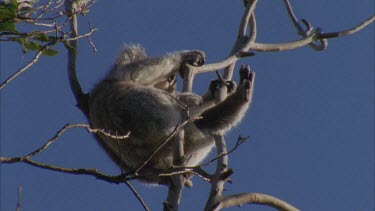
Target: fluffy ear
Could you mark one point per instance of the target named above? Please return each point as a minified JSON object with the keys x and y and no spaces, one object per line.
{"x":131,"y":53}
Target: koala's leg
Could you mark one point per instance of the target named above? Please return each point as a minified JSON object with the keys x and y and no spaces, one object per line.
{"x":198,"y":104}
{"x":229,"y":112}
{"x":150,"y":71}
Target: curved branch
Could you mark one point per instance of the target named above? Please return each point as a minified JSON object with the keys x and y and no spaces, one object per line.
{"x":317,"y":35}
{"x":249,"y":16}
{"x":263,"y":47}
{"x":243,"y":44}
{"x":353,"y":30}
{"x":322,"y":45}
{"x":81,"y":98}
{"x":253,"y":198}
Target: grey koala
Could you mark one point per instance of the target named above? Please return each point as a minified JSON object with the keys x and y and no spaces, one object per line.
{"x":133,"y":98}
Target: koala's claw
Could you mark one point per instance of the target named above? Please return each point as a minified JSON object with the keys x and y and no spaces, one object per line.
{"x":195,"y":58}
{"x":246,"y":74}
{"x":247,"y":77}
{"x":231,"y":86}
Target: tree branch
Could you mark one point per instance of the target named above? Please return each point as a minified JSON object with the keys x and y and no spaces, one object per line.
{"x":217,"y":183}
{"x":253,"y":198}
{"x":56,"y":137}
{"x":248,"y":18}
{"x":351,"y":31}
{"x":28,"y":65}
{"x":167,"y":139}
{"x":309,"y":39}
{"x":81,"y":98}
{"x":136,"y":194}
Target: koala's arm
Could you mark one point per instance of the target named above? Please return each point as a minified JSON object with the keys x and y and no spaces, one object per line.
{"x":150,"y":71}
{"x":229,"y":112}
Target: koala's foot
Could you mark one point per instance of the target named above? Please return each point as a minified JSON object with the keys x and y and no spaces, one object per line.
{"x":195,"y":58}
{"x":190,"y":99}
{"x":247,"y":77}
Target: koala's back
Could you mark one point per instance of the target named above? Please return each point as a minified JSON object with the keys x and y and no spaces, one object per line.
{"x":146,"y":112}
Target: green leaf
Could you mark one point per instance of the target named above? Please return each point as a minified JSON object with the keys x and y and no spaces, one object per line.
{"x":34,"y":46}
{"x":22,"y":42}
{"x":8,"y":11}
{"x":14,"y":2}
{"x":50,"y":52}
{"x":44,"y":38}
{"x":10,"y":27}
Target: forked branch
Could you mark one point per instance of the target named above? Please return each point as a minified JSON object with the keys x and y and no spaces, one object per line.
{"x":310,"y":37}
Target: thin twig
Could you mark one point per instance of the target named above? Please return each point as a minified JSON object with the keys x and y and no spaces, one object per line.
{"x":240,"y":141}
{"x":28,"y":65}
{"x":88,"y":34}
{"x":136,"y":194}
{"x":167,"y":139}
{"x":19,"y":202}
{"x":56,"y":137}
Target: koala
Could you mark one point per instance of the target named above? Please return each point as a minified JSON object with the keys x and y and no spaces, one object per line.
{"x":139,"y":96}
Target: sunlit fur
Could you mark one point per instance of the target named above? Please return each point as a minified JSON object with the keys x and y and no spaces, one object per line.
{"x":132,"y":98}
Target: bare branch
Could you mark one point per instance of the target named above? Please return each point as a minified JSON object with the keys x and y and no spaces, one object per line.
{"x":353,"y":30}
{"x":136,"y":194}
{"x":217,"y":183}
{"x":247,"y":19}
{"x":56,"y":137}
{"x":40,"y":52}
{"x":175,"y":187}
{"x":176,"y":182}
{"x":309,"y":39}
{"x":81,"y":98}
{"x":167,"y":139}
{"x":242,"y":44}
{"x":253,"y":198}
{"x":262,"y":47}
{"x":322,"y":42}
{"x":88,"y":34}
{"x":19,"y":202}
{"x":28,"y":65}
{"x":240,"y":141}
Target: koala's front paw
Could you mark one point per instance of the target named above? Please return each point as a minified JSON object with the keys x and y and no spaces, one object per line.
{"x":195,"y":58}
{"x":217,"y":84}
{"x":247,"y":77}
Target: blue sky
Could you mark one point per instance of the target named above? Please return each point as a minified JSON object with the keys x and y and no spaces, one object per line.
{"x":311,"y":122}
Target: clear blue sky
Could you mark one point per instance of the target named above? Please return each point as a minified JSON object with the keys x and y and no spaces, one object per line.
{"x":311,"y":122}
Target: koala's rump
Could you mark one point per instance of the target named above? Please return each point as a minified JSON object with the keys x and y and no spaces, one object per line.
{"x":147,"y":113}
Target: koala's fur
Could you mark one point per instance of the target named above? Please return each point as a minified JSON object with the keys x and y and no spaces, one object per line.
{"x":132,"y":98}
